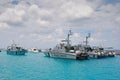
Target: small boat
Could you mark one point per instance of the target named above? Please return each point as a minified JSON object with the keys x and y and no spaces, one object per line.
{"x":100,"y":52}
{"x":66,"y":50}
{"x":97,"y":52}
{"x":34,"y":50}
{"x":110,"y":52}
{"x":16,"y":50}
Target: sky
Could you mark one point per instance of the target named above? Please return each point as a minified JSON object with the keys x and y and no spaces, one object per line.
{"x":44,"y":23}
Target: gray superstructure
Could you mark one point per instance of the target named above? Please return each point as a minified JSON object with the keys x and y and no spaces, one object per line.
{"x":66,"y":50}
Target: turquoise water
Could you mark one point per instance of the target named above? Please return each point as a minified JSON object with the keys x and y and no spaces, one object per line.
{"x":38,"y":67}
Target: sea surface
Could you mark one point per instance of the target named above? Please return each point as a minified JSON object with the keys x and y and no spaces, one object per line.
{"x":38,"y":67}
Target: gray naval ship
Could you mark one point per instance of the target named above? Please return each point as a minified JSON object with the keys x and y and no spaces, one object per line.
{"x":15,"y":50}
{"x":67,"y":51}
{"x":79,"y":51}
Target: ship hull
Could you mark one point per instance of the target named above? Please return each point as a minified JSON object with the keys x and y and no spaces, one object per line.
{"x":16,"y":52}
{"x":66,"y":55}
{"x":97,"y":56}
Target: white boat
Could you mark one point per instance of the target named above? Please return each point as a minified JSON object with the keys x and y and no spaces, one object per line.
{"x":110,"y":52}
{"x":34,"y":50}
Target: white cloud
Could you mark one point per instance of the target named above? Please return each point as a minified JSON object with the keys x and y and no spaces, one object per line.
{"x":21,"y":36}
{"x":45,"y":21}
{"x":59,"y":31}
{"x":12,"y":15}
{"x":118,"y":19}
{"x":4,"y":1}
{"x":4,"y":26}
{"x":24,"y":15}
{"x":42,"y":22}
{"x":45,"y":39}
{"x":75,"y":10}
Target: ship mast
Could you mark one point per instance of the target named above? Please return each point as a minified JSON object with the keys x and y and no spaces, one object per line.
{"x":68,"y":38}
{"x":86,"y":41}
{"x":13,"y":43}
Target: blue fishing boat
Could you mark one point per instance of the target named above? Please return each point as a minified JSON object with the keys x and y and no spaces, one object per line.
{"x":16,"y":50}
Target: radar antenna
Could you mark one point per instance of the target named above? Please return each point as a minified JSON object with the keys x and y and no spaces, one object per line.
{"x":86,"y":41}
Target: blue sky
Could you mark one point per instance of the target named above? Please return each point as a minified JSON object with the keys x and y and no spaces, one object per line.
{"x":43,"y":23}
{"x":112,"y":1}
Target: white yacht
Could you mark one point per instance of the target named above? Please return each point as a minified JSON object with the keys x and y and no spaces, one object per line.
{"x":34,"y":50}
